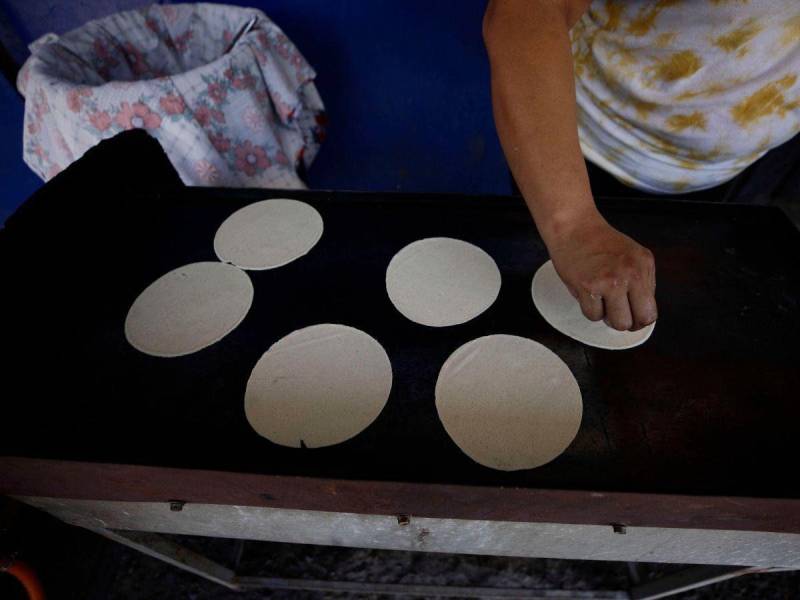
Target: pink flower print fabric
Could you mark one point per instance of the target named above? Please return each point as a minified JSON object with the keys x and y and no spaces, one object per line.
{"x":227,"y":94}
{"x":251,"y":159}
{"x":137,"y":116}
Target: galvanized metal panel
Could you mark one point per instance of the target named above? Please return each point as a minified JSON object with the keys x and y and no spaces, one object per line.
{"x":551,"y":540}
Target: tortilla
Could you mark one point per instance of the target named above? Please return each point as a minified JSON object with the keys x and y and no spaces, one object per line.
{"x":561,"y":310}
{"x":442,"y":281}
{"x":188,"y":309}
{"x":508,"y":402}
{"x":268,"y":234}
{"x":318,"y":386}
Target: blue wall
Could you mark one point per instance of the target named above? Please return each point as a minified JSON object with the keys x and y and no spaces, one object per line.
{"x":406,"y":84}
{"x":17,"y":181}
{"x":31,"y":19}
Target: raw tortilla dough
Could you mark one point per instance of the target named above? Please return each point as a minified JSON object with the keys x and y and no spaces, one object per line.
{"x":318,"y":386}
{"x":558,"y":307}
{"x":268,"y":234}
{"x":442,"y":281}
{"x":508,"y":402}
{"x":189,"y":308}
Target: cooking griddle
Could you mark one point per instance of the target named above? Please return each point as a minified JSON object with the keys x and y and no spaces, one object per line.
{"x":710,"y":405}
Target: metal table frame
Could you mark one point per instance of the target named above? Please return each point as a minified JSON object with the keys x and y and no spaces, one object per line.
{"x":133,"y":505}
{"x":138,"y":525}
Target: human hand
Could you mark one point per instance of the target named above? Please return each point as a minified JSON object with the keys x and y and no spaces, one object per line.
{"x":611,"y":275}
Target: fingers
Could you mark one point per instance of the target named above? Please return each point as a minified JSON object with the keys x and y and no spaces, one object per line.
{"x":618,"y":310}
{"x":591,"y":305}
{"x":616,"y":285}
{"x":643,"y":306}
{"x":642,"y":295}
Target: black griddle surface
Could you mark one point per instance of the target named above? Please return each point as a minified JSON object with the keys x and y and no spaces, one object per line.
{"x":709,"y":405}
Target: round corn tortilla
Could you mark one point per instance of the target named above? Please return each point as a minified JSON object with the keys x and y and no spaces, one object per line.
{"x":442,"y":281}
{"x":268,"y":234}
{"x":561,"y":310}
{"x":318,"y":386}
{"x":188,"y":309}
{"x":508,"y":402}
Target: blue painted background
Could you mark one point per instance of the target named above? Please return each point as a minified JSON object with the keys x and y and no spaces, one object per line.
{"x":405,"y":82}
{"x":17,"y":181}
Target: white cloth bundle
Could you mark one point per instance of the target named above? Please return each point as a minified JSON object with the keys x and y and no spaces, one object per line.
{"x":229,"y":97}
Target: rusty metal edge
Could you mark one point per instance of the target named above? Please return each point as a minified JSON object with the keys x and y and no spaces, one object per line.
{"x":133,"y":483}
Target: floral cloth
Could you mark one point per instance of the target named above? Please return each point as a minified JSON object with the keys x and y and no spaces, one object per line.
{"x":229,"y":97}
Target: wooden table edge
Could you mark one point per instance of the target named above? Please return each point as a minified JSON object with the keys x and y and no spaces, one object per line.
{"x":75,"y":480}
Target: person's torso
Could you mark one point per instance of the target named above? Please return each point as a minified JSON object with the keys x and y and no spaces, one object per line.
{"x":680,"y":95}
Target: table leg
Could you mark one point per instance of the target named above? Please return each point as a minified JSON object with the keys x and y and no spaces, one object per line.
{"x":174,"y":554}
{"x":692,"y":578}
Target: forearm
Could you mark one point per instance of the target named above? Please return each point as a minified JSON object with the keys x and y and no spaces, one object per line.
{"x":535,"y":112}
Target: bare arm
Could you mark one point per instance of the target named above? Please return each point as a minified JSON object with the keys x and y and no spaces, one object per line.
{"x":533,"y":94}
